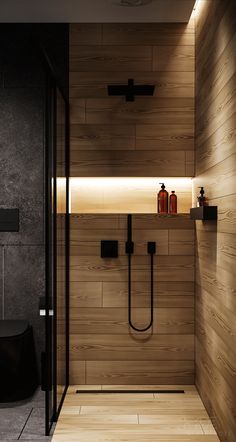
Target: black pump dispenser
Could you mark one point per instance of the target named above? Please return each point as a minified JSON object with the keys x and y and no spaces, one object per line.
{"x":201,"y":200}
{"x":162,"y":200}
{"x":202,"y":191}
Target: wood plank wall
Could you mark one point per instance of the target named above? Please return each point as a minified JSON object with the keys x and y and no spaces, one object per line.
{"x":216,"y":242}
{"x":104,"y":350}
{"x":152,"y":136}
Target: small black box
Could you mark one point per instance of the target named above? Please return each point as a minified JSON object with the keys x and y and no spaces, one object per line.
{"x":109,"y":249}
{"x":204,"y":213}
{"x":9,"y":220}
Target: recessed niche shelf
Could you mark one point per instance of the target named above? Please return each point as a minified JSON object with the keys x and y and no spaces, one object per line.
{"x":172,"y":215}
{"x":126,"y":194}
{"x":204,"y":213}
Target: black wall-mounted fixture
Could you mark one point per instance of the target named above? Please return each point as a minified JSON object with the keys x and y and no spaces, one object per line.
{"x":9,"y":220}
{"x":109,"y":249}
{"x":204,"y":213}
{"x":130,"y":90}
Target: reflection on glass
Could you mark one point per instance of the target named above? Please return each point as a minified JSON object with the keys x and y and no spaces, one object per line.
{"x":61,"y":248}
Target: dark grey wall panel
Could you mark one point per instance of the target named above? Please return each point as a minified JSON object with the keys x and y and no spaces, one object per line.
{"x":22,"y":176}
{"x":22,"y":162}
{"x":22,"y":104}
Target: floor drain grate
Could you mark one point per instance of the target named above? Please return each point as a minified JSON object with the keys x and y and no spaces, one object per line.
{"x":130,"y":391}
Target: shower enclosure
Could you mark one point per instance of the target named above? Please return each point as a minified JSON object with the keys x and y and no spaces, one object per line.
{"x":55,"y":361}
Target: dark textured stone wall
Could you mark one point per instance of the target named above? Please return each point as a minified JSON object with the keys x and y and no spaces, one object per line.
{"x":22,"y":106}
{"x":22,"y":273}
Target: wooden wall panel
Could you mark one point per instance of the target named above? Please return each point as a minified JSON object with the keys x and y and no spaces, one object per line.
{"x":86,"y":34}
{"x":115,"y":321}
{"x":171,"y":84}
{"x":176,"y":58}
{"x":169,"y":294}
{"x":128,"y":163}
{"x":164,"y":34}
{"x":147,"y":137}
{"x":110,"y":58}
{"x":152,"y":372}
{"x":152,"y":136}
{"x":102,"y":136}
{"x":99,"y":327}
{"x":221,"y":141}
{"x":216,"y":241}
{"x":163,"y":136}
{"x":92,"y":268}
{"x":106,"y":347}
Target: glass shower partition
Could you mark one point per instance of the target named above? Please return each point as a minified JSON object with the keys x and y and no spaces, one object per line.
{"x":57,"y":253}
{"x":61,"y":305}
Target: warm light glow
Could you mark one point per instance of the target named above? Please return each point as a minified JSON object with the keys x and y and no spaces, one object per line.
{"x":192,"y":16}
{"x":123,"y":182}
{"x":61,"y":195}
{"x":199,"y":6}
{"x":61,"y":183}
{"x":124,"y":194}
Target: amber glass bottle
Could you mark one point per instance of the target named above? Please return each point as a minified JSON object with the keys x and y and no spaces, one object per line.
{"x":173,"y":202}
{"x":162,"y":200}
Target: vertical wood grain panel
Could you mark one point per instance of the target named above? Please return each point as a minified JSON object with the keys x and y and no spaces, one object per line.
{"x":215,"y":241}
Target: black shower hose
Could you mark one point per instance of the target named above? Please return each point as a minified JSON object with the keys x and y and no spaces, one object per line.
{"x":129,"y":251}
{"x":129,"y":297}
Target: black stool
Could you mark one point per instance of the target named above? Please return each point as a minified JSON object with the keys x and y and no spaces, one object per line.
{"x":18,"y":366}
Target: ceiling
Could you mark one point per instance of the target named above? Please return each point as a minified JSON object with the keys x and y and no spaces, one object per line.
{"x":94,"y":11}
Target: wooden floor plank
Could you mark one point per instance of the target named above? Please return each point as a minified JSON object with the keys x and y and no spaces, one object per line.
{"x":133,"y":417}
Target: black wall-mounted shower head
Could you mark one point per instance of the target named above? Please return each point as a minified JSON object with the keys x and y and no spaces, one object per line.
{"x":130,"y":90}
